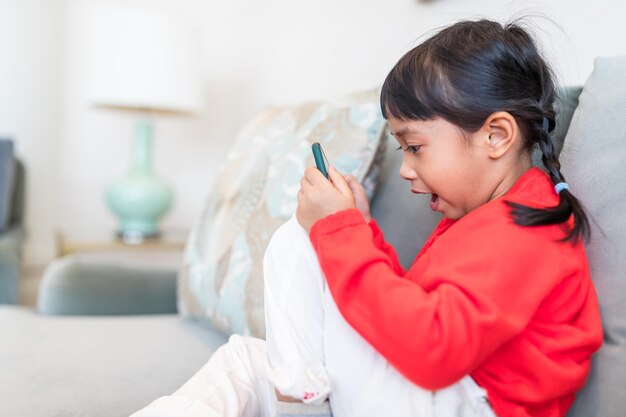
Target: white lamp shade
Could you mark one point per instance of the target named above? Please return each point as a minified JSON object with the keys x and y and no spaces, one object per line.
{"x":144,"y":60}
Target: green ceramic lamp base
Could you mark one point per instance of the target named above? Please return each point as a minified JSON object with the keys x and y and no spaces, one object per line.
{"x":139,"y":199}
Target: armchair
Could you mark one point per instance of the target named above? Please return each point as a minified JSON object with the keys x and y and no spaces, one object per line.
{"x":12,"y":188}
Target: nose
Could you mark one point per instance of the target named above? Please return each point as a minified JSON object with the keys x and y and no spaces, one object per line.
{"x":406,"y":171}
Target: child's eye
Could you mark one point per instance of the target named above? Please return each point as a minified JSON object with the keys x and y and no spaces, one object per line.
{"x":412,"y":148}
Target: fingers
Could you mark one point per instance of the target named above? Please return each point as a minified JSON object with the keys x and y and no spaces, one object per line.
{"x":312,"y":179}
{"x":339,"y":181}
{"x":318,"y":197}
{"x":314,"y":176}
{"x":352,"y":182}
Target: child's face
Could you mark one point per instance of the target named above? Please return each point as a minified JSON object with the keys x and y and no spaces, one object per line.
{"x":439,"y":160}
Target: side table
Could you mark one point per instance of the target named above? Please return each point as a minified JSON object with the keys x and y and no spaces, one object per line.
{"x":103,"y":241}
{"x":165,"y":251}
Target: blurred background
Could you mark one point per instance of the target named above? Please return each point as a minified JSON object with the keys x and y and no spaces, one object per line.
{"x":250,"y":55}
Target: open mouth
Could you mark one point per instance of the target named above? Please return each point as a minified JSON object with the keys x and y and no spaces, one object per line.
{"x":434,"y":202}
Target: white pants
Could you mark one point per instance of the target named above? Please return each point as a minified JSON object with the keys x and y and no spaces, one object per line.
{"x":311,"y":353}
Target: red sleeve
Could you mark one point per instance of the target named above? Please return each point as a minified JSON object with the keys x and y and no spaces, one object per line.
{"x":480,"y":297}
{"x":380,"y":243}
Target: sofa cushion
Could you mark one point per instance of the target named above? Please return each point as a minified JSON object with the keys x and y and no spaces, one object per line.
{"x":221,"y":279}
{"x":95,"y":366}
{"x":7,"y":174}
{"x":593,"y":164}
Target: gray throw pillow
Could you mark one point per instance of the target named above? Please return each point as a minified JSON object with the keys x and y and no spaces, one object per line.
{"x":7,"y":173}
{"x":594,"y":164}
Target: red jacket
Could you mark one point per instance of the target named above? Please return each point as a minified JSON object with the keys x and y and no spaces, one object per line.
{"x":507,"y":304}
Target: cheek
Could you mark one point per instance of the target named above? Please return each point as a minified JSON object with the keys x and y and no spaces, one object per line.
{"x":437,"y":169}
{"x":446,"y":171}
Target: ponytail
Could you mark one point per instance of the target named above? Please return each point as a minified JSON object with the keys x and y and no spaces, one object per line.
{"x":568,"y":204}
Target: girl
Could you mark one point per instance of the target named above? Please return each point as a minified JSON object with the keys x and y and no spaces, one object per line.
{"x":496,"y":316}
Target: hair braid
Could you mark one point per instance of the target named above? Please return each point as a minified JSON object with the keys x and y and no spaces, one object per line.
{"x":568,"y":204}
{"x":550,"y":161}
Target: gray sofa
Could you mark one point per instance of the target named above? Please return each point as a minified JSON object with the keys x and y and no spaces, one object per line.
{"x":12,"y":185}
{"x":64,"y":361}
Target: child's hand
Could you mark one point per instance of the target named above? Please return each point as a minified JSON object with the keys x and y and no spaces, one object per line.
{"x":319,"y":197}
{"x":359,"y":196}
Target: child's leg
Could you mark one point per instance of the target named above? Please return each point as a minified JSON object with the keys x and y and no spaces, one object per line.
{"x":231,"y":384}
{"x":365,"y":384}
{"x":235,"y":382}
{"x":294,"y":315}
{"x":312,"y":348}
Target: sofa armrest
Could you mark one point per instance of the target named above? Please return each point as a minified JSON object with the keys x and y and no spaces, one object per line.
{"x":10,"y":264}
{"x":83,"y":285}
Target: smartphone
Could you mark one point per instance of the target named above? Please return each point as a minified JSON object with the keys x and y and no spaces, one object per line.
{"x":320,"y":158}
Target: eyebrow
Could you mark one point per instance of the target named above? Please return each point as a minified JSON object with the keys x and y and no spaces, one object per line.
{"x":405,"y":130}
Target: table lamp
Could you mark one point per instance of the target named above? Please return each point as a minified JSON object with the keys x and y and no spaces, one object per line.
{"x":146,"y":63}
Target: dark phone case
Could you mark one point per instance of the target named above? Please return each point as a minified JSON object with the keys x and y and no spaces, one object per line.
{"x":318,"y":154}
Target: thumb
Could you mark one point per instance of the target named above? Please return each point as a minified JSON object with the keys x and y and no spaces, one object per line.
{"x":352,"y":183}
{"x":339,"y":181}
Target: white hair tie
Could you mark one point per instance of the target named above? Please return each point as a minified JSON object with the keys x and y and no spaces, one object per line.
{"x":560,"y":187}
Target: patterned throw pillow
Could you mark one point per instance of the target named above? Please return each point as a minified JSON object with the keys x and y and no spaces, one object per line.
{"x":221,"y":279}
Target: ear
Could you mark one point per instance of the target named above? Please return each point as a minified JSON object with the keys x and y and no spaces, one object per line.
{"x":501,"y":132}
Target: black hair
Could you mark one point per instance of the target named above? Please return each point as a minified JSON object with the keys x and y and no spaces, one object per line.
{"x":468,"y":71}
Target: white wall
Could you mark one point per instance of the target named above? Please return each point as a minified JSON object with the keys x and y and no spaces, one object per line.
{"x":257,"y":53}
{"x":31,"y":47}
